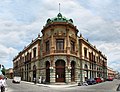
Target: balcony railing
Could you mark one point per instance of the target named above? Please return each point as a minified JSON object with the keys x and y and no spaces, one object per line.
{"x":45,"y":53}
{"x":34,"y":58}
{"x":60,"y":51}
{"x":73,"y":52}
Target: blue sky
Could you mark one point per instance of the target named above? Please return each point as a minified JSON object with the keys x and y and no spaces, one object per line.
{"x":22,"y":20}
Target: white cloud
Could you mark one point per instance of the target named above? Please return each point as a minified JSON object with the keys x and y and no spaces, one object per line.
{"x":6,"y":54}
{"x":97,"y":20}
{"x":112,"y":50}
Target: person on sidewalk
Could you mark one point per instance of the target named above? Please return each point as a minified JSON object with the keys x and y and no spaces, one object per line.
{"x":40,"y":79}
{"x":2,"y":84}
{"x":35,"y":80}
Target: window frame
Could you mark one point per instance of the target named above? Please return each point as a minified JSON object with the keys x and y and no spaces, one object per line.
{"x":59,"y":44}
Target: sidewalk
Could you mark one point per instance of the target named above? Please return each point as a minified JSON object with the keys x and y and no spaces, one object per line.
{"x":58,"y":85}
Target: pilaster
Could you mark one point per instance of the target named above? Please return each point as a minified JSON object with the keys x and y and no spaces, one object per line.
{"x":52,"y":41}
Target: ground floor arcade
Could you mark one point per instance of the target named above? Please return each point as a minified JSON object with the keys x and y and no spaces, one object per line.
{"x":61,"y":69}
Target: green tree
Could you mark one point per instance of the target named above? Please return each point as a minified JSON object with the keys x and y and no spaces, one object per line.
{"x":3,"y":70}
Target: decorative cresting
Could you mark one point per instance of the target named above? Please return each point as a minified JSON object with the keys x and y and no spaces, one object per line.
{"x":59,"y":18}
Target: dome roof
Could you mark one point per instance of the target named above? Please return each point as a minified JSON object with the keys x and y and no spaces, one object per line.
{"x":59,"y":18}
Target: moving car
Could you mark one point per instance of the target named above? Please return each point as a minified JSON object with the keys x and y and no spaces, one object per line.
{"x":16,"y":79}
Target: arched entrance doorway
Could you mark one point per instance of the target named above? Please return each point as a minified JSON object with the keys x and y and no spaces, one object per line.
{"x":72,"y":71}
{"x":47,"y":71}
{"x":22,"y":74}
{"x":86,"y":72}
{"x":34,"y":72}
{"x":60,"y":71}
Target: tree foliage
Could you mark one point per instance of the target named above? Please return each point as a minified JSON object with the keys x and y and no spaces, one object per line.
{"x":3,"y":70}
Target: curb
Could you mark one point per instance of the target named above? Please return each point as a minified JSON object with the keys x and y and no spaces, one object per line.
{"x":51,"y":86}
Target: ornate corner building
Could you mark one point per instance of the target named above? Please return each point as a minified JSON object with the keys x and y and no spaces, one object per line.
{"x":60,"y":55}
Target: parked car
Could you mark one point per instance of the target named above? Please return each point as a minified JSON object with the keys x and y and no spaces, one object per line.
{"x":110,"y":79}
{"x":16,"y":79}
{"x":98,"y":80}
{"x":91,"y":81}
{"x":102,"y":79}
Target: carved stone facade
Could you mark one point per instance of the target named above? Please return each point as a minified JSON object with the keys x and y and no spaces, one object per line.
{"x":60,"y":55}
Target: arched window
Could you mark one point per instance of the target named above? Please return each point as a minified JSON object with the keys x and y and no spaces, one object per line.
{"x":60,"y":71}
{"x":34,"y":71}
{"x":86,"y":72}
{"x":47,"y":71}
{"x":73,"y":71}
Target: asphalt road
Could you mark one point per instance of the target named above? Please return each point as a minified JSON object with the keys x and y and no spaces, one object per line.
{"x":108,"y":86}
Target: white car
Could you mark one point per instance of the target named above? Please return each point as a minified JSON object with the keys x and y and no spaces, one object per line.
{"x":16,"y":79}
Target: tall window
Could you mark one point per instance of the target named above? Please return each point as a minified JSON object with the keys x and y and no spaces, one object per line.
{"x":30,"y":56}
{"x":85,"y":52}
{"x":60,"y":44}
{"x":47,"y":46}
{"x":34,"y":52}
{"x":89,"y":56}
{"x":72,"y":46}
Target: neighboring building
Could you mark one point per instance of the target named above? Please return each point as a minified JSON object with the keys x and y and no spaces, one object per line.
{"x":60,"y":55}
{"x":116,"y":74}
{"x":111,"y":73}
{"x":9,"y":73}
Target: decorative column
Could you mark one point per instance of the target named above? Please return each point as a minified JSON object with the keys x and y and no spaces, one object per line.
{"x":77,"y":44}
{"x":68,"y":41}
{"x":69,"y":74}
{"x":52,"y":70}
{"x":81,"y":71}
{"x":68,"y":70}
{"x":52,"y":41}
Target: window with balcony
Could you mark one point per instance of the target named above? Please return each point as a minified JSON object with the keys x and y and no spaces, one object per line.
{"x":72,"y":46}
{"x":89,"y":56}
{"x":59,"y":44}
{"x":34,"y":52}
{"x":25,"y":57}
{"x":28,"y":56}
{"x":47,"y":46}
{"x":85,"y":52}
{"x":94,"y":58}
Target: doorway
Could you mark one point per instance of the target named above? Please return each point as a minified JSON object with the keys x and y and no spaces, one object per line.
{"x":34,"y":72}
{"x":47,"y":71}
{"x":60,"y":71}
{"x":72,"y":71}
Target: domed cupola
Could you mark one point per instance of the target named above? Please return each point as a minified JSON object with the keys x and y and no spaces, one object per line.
{"x":59,"y":18}
{"x":59,"y":15}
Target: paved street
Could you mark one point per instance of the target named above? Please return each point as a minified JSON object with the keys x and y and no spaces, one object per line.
{"x":109,"y":86}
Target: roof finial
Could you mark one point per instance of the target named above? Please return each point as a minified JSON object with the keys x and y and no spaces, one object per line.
{"x":59,"y":7}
